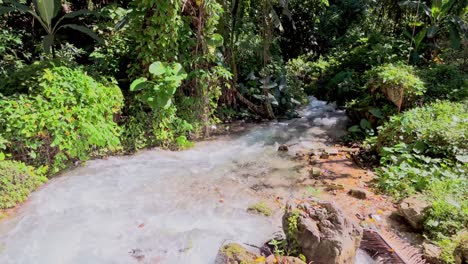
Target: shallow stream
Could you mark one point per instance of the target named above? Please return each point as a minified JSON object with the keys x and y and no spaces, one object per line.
{"x":166,"y":207}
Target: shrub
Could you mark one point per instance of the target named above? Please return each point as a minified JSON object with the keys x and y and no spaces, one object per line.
{"x":445,"y":82}
{"x":449,"y":211}
{"x":17,"y":181}
{"x":437,"y":130}
{"x":398,"y":82}
{"x":65,"y":117}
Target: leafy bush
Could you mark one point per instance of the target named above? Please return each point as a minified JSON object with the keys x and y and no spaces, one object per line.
{"x":445,"y":82}
{"x":449,"y":211}
{"x":147,"y":129}
{"x":17,"y":181}
{"x":24,"y":80}
{"x":437,"y":130}
{"x":66,"y":116}
{"x":398,"y":82}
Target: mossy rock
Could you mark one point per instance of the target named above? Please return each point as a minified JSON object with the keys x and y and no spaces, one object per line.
{"x":260,"y":208}
{"x":234,"y":253}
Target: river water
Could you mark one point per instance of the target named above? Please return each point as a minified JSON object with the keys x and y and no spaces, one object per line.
{"x":166,"y":207}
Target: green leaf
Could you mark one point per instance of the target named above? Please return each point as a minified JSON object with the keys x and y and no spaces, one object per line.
{"x":83,"y":29}
{"x":419,"y":147}
{"x":139,"y":84}
{"x":419,"y":37}
{"x":365,"y":124}
{"x":47,"y":43}
{"x":2,"y":156}
{"x":46,"y":10}
{"x":432,"y":31}
{"x":376,"y":112}
{"x":157,"y":68}
{"x":216,"y":40}
{"x":6,"y":9}
{"x":19,"y":6}
{"x":79,"y":13}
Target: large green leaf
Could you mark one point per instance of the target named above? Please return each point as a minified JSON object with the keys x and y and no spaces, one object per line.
{"x":83,"y":29}
{"x":139,"y":84}
{"x":157,"y":68}
{"x":454,"y":36}
{"x":46,"y":10}
{"x":447,"y":6}
{"x":419,"y":37}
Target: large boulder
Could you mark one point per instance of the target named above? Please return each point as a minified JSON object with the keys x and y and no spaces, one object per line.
{"x":321,"y":232}
{"x":413,"y":209}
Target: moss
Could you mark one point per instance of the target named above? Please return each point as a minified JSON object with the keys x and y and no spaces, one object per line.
{"x":260,"y":208}
{"x":235,"y":253}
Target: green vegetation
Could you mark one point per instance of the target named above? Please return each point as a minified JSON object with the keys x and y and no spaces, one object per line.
{"x":260,"y":208}
{"x":18,"y":181}
{"x":65,"y":117}
{"x":139,"y":74}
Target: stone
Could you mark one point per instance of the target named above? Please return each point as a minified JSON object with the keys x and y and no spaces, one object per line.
{"x":315,"y":172}
{"x":413,"y":209}
{"x":322,"y":232}
{"x":358,"y":193}
{"x":431,"y":253}
{"x":272,"y":259}
{"x":283,"y":148}
{"x":331,"y":151}
{"x":234,"y":253}
{"x":324,"y":156}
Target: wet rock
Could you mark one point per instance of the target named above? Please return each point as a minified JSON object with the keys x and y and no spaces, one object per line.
{"x":233,"y":253}
{"x":315,"y":172}
{"x":412,"y":209}
{"x":322,"y":232}
{"x":331,"y":151}
{"x":324,"y":156}
{"x":272,"y":259}
{"x":283,"y":148}
{"x":358,"y":193}
{"x":431,"y":253}
{"x":333,"y":187}
{"x":137,"y":254}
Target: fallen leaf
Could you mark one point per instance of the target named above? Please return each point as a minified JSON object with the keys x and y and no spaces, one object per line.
{"x":260,"y":259}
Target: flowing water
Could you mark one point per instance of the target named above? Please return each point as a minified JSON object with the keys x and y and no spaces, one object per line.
{"x":166,"y":207}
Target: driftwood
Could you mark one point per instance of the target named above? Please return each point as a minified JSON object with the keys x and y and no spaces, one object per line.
{"x":253,"y":107}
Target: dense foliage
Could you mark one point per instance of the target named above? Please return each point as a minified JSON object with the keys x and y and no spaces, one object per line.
{"x":18,"y":181}
{"x":80,"y":79}
{"x":65,"y":116}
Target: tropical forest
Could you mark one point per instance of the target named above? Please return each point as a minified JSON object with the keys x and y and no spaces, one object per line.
{"x":233,"y":131}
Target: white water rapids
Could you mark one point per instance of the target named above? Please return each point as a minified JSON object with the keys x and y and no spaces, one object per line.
{"x":165,"y":207}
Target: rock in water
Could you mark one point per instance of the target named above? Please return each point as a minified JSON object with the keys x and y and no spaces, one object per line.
{"x":283,"y":148}
{"x":412,"y":209}
{"x":321,"y":232}
{"x":233,"y":253}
